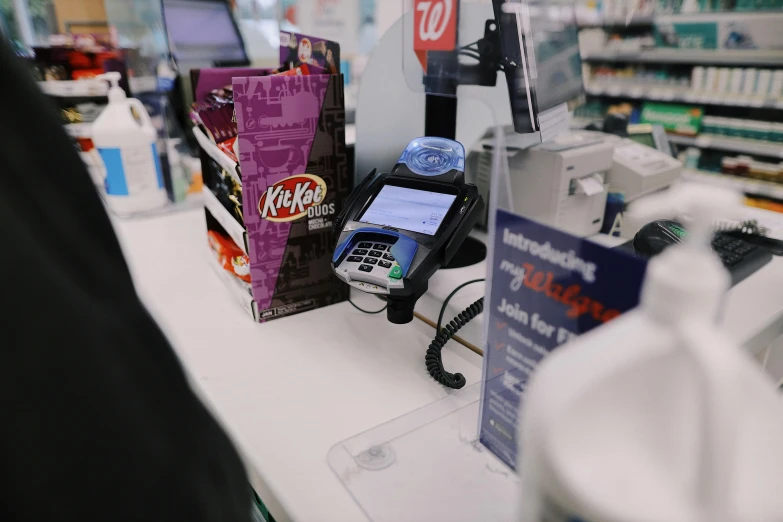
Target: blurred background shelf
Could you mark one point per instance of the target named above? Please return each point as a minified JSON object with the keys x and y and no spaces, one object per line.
{"x":75,"y":88}
{"x":79,"y":130}
{"x":143,"y":84}
{"x":744,"y":58}
{"x":678,"y":95}
{"x":738,"y":145}
{"x":748,"y":186}
{"x":612,"y":22}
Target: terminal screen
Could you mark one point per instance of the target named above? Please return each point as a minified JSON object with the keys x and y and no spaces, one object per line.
{"x":409,"y":209}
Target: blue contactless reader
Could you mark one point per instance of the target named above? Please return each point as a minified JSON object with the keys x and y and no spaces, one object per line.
{"x":398,"y":228}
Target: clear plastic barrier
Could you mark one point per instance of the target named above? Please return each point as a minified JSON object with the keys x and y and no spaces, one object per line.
{"x":532,"y":44}
{"x":448,"y":40}
{"x":427,"y":466}
{"x":392,"y":108}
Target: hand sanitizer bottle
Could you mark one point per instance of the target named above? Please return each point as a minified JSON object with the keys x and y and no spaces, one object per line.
{"x":656,"y":416}
{"x":127,"y":142}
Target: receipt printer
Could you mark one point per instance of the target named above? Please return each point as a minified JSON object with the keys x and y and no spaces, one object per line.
{"x":563,"y":183}
{"x":639,"y":169}
{"x":398,"y":228}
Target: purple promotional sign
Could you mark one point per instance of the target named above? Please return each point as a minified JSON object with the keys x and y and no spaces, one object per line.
{"x":294,"y":183}
{"x":547,"y":288}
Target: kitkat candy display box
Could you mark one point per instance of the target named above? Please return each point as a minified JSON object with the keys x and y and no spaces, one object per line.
{"x":294,"y":182}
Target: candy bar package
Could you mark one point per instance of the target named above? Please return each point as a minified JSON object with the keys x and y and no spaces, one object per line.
{"x":291,"y":182}
{"x":319,"y":54}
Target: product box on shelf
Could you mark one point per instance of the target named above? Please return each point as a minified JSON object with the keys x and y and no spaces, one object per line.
{"x":679,"y":119}
{"x":270,"y":213}
{"x":730,"y":30}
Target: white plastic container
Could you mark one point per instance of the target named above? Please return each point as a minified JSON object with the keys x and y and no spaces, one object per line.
{"x":656,"y":416}
{"x":749,"y":86}
{"x":711,"y":83}
{"x":724,"y":80}
{"x":776,"y":87}
{"x":697,"y":78}
{"x":127,"y":142}
{"x":737,"y":75}
{"x":763,"y":82}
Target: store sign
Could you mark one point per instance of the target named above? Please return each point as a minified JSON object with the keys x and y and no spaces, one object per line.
{"x":547,"y":288}
{"x":435,"y":23}
{"x":434,"y":27}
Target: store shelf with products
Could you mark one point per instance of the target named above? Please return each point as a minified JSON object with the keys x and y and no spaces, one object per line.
{"x":79,"y":130}
{"x":94,"y":87}
{"x":75,"y":88}
{"x":640,"y":91}
{"x":235,"y":230}
{"x":749,"y":186}
{"x":738,"y":145}
{"x":611,"y":22}
{"x":218,"y":155}
{"x":692,"y":56}
{"x":143,"y":84}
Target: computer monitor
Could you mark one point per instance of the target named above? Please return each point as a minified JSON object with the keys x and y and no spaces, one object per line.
{"x":202,"y":33}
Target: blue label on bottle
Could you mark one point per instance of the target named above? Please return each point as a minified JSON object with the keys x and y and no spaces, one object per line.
{"x":158,"y":168}
{"x":115,"y":172}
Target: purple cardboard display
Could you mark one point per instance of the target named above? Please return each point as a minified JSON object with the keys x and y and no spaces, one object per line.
{"x":291,"y":128}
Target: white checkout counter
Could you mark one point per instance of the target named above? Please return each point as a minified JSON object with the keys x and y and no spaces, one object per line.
{"x":287,"y":391}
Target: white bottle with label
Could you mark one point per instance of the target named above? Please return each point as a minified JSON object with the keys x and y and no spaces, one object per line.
{"x":127,"y":142}
{"x":656,"y":416}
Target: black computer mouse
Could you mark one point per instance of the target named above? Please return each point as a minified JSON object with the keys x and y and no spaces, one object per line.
{"x":655,"y":236}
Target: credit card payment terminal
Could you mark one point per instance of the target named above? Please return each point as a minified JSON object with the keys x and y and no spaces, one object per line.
{"x":398,"y":228}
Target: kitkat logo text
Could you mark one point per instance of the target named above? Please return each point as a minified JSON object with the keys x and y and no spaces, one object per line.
{"x":289,"y":198}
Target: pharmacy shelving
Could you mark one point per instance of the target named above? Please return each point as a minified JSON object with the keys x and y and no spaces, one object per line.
{"x":737,"y":145}
{"x":75,"y":88}
{"x":615,"y":21}
{"x":79,"y":130}
{"x":744,"y":58}
{"x":143,"y":84}
{"x":749,"y":186}
{"x":677,"y":95}
{"x":95,"y":87}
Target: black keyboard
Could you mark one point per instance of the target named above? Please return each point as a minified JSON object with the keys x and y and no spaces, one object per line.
{"x":740,"y":257}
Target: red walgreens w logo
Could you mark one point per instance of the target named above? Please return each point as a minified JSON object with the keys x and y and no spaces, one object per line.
{"x":435,"y":25}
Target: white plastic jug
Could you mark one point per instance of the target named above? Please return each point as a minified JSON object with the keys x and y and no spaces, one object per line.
{"x":127,"y":142}
{"x":656,"y":416}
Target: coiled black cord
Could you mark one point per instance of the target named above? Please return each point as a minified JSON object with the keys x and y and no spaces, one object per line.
{"x":433,"y":358}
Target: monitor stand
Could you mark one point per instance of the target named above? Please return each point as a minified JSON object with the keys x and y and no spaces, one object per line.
{"x":440,"y":110}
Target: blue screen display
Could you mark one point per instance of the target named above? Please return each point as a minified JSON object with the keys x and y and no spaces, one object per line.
{"x":409,"y":209}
